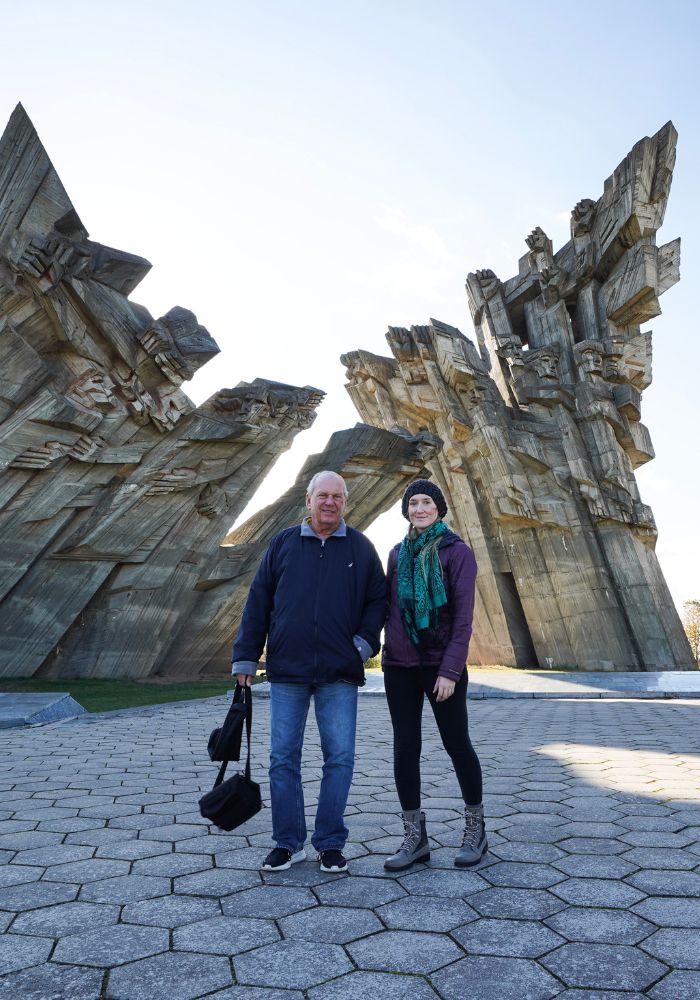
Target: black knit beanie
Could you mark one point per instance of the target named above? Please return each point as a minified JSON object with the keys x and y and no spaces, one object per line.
{"x":431,"y":490}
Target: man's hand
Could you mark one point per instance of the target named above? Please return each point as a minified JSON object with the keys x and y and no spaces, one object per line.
{"x":444,"y":688}
{"x":245,"y":680}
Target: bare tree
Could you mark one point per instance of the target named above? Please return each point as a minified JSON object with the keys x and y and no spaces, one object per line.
{"x":691,"y":624}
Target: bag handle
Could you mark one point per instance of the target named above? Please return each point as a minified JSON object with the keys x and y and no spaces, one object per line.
{"x":247,"y":698}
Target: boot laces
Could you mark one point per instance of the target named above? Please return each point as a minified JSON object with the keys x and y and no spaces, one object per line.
{"x":411,"y":836}
{"x":472,"y":829}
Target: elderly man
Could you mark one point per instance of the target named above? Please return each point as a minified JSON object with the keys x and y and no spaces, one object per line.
{"x":318,"y":599}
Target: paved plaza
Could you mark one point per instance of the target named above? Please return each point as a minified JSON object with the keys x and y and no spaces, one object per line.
{"x":112,"y":886}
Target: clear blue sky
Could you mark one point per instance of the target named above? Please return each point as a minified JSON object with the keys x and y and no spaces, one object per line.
{"x":304,"y":174}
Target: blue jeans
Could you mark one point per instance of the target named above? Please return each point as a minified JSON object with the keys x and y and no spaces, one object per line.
{"x":335,"y":706}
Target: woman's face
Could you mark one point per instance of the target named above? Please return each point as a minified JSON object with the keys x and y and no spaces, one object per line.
{"x":422,"y":511}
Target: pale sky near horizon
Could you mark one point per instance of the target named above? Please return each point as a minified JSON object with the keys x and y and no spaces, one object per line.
{"x":302,"y":175}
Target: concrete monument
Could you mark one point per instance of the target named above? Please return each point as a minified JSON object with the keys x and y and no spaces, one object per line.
{"x":542,"y":431}
{"x":116,"y":492}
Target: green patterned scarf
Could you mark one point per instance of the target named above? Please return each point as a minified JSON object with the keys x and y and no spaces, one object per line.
{"x":419,"y":577}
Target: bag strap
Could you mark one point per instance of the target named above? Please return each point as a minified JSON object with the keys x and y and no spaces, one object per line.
{"x":247,"y":697}
{"x":248,"y":727}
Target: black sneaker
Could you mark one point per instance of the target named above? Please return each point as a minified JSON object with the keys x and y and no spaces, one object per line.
{"x":280,"y":859}
{"x":332,"y":861}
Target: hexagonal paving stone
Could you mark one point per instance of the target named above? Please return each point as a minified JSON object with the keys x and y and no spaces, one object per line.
{"x":603,"y":966}
{"x":170,"y":911}
{"x":383,"y":985}
{"x":104,"y":835}
{"x":597,"y":892}
{"x":516,"y":903}
{"x":241,"y":857}
{"x":358,"y":891}
{"x":17,"y":952}
{"x":432,"y":882}
{"x":679,"y":948}
{"x":52,"y":982}
{"x":534,"y":833}
{"x":520,"y":875}
{"x":670,"y":912}
{"x":111,"y":946}
{"x":216,"y":882}
{"x":592,"y":845}
{"x":172,"y":865}
{"x":292,"y":964}
{"x":66,"y":918}
{"x":28,"y":840}
{"x":125,"y":889}
{"x":482,"y":978}
{"x":77,"y":825}
{"x":677,"y":986}
{"x":132,"y":850}
{"x":520,"y":851}
{"x":404,"y":951}
{"x":651,"y":857}
{"x":598,"y":995}
{"x":224,"y":935}
{"x":32,"y":895}
{"x":595,"y":866}
{"x":255,"y":993}
{"x":508,"y":938}
{"x":371,"y":865}
{"x":305,"y":873}
{"x":268,"y":901}
{"x":664,"y":883}
{"x":605,"y":926}
{"x":171,"y":976}
{"x":426,"y":913}
{"x":19,"y":874}
{"x":333,"y":924}
{"x":174,"y":832}
{"x":590,"y":830}
{"x":56,"y":855}
{"x":91,"y":870}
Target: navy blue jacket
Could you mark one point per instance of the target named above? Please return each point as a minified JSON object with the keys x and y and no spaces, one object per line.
{"x":308,"y":600}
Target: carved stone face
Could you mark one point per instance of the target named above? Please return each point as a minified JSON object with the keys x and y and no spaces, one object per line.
{"x":611,"y":368}
{"x":546,"y":365}
{"x":590,"y":361}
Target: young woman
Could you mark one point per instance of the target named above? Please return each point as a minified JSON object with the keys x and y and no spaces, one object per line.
{"x":430,"y":585}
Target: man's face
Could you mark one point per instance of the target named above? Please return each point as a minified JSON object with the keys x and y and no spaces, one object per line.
{"x":326,"y":504}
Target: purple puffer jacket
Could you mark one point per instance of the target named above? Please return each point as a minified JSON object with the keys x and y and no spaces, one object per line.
{"x":445,"y":646}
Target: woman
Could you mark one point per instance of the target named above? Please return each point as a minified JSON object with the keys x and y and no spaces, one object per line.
{"x":430,"y":580}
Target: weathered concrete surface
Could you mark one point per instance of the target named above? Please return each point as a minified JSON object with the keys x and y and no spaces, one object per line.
{"x":116,"y":492}
{"x":591,"y":886}
{"x":542,"y":431}
{"x":17,"y":709}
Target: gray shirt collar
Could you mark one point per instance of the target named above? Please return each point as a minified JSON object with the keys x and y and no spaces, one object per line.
{"x":308,"y":532}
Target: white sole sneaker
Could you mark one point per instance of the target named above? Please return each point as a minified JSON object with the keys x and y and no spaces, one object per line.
{"x":299,"y":856}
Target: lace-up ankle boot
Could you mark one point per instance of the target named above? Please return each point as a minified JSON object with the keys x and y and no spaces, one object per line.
{"x":415,"y":846}
{"x":474,"y":842}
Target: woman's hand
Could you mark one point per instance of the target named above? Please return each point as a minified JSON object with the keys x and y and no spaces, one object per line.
{"x":245,"y":680}
{"x":444,"y":688}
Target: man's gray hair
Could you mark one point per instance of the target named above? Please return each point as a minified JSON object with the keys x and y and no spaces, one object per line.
{"x":326,"y":472}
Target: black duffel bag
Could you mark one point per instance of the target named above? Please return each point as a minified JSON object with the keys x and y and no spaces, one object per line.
{"x":236,"y":800}
{"x":225,"y":742}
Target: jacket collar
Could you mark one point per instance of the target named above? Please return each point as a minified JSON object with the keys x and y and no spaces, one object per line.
{"x":308,"y":532}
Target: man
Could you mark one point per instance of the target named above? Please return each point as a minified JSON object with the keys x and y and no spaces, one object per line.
{"x":318,"y":599}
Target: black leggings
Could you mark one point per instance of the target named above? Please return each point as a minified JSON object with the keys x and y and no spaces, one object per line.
{"x":405,"y":689}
